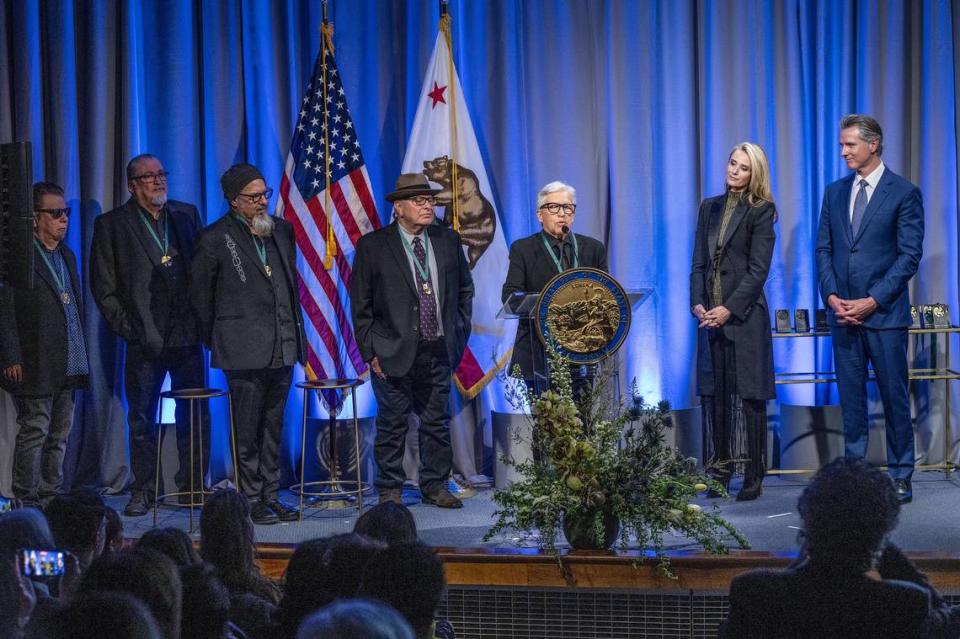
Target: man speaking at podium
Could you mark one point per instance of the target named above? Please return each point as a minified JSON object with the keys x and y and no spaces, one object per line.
{"x":536,"y":259}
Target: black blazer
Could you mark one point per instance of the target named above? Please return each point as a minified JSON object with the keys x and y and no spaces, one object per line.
{"x":744,"y":264}
{"x":33,"y":330}
{"x":531,"y":268}
{"x":125,"y":278}
{"x":805,"y":602}
{"x":233,"y":299}
{"x":385,"y":306}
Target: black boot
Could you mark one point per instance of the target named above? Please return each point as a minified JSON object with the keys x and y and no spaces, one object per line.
{"x":752,"y":487}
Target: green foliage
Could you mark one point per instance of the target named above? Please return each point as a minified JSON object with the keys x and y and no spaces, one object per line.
{"x":599,"y":455}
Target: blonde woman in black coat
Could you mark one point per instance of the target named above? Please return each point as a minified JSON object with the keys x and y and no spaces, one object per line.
{"x":731,"y":258}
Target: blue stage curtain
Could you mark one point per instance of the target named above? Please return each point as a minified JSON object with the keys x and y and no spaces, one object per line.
{"x":637,"y":104}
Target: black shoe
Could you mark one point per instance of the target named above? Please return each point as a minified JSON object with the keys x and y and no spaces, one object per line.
{"x":391,"y":494}
{"x":137,"y":506}
{"x":262,"y":514}
{"x":283,"y":512}
{"x":441,"y":498}
{"x":904,"y":490}
{"x":751,"y":489}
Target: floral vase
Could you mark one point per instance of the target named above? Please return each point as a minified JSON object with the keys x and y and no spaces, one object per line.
{"x":578,"y":529}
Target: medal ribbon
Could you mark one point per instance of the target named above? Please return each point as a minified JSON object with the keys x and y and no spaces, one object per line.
{"x":164,"y":245}
{"x":257,"y":244}
{"x":58,"y":276}
{"x":424,"y":268}
{"x":576,"y":252}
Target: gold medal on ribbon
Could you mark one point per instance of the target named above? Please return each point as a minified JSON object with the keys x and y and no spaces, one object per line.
{"x":65,"y":297}
{"x":166,"y":260}
{"x":266,"y":267}
{"x":426,"y":288}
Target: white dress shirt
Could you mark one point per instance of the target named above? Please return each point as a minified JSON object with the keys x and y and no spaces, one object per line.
{"x":872,"y":181}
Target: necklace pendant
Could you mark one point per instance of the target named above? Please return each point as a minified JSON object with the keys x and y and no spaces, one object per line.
{"x":65,"y":297}
{"x":425,"y":287}
{"x":166,"y":260}
{"x":267,"y":269}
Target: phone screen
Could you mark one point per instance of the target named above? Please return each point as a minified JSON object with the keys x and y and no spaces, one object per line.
{"x":41,"y":563}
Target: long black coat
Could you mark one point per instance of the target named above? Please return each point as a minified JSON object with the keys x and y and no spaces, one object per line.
{"x":531,"y":268}
{"x":33,"y":329}
{"x":385,"y":305}
{"x":232,"y":296}
{"x":128,"y":285}
{"x":744,"y":264}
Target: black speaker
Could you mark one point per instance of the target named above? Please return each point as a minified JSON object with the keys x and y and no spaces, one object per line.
{"x":16,"y":214}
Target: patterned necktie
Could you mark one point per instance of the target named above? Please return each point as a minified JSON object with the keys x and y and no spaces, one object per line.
{"x":859,"y":206}
{"x":428,"y":301}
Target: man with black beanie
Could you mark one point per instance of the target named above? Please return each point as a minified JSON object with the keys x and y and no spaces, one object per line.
{"x":243,"y":289}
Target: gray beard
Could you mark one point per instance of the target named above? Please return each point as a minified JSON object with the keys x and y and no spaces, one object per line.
{"x":159,"y":200}
{"x":262,"y":225}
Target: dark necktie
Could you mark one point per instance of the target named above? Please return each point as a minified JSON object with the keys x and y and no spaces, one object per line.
{"x":859,"y":207}
{"x":428,"y":299}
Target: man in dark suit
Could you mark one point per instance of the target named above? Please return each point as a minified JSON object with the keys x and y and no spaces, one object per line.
{"x":243,"y":288}
{"x":411,"y":298}
{"x":139,"y":264}
{"x":43,"y":354}
{"x":869,"y":245}
{"x":848,"y":580}
{"x":537,"y":259}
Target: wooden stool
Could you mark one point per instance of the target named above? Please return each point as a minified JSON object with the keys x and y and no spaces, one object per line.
{"x":195,"y":396}
{"x":337,"y":484}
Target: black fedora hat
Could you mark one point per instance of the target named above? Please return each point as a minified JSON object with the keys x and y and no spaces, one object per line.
{"x":411,"y":185}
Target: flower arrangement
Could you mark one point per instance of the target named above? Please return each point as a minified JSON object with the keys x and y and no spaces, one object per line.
{"x":598,"y":462}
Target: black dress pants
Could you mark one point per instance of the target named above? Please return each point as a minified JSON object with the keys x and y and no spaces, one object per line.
{"x":143,"y":378}
{"x":425,"y":390}
{"x":259,"y":397}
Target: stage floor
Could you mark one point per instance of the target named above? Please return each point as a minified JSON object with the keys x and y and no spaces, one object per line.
{"x":928,"y":525}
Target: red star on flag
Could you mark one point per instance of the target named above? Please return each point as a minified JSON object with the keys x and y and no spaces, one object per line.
{"x":437,"y":95}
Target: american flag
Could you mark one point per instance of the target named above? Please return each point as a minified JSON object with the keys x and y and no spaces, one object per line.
{"x":324,"y":122}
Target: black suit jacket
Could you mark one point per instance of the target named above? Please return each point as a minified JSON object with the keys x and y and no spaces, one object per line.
{"x":33,"y":330}
{"x":232,"y":296}
{"x":806,"y":602}
{"x":531,"y":268}
{"x":384,"y":302}
{"x":125,"y":278}
{"x":744,"y":264}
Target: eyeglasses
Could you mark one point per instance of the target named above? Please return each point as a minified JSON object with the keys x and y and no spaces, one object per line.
{"x":555,"y":209}
{"x":421,"y":200}
{"x":151,"y":177}
{"x":255,"y":197}
{"x":55,"y":213}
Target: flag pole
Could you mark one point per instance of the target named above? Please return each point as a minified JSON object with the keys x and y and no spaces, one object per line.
{"x":454,"y":182}
{"x":326,"y":43}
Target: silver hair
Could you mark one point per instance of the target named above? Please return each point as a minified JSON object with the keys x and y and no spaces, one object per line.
{"x":555,"y":187}
{"x":868,"y":128}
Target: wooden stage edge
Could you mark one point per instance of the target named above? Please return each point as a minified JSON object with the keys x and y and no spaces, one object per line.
{"x":530,"y":568}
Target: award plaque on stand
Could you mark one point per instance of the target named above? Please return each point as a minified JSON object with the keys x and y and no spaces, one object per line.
{"x":821,"y":325}
{"x":926,"y":313}
{"x":941,"y":316}
{"x":801,"y":320}
{"x":914,"y":317}
{"x":783,"y":320}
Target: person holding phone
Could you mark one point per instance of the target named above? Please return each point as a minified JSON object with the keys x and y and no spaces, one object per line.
{"x":43,"y":355}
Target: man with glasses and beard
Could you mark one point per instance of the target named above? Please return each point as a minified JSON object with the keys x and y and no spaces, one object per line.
{"x":43,"y":356}
{"x":139,"y":265}
{"x":243,"y":288}
{"x":536,"y":259}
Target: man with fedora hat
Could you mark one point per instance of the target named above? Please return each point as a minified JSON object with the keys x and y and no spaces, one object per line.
{"x":411,"y":299}
{"x":243,"y":289}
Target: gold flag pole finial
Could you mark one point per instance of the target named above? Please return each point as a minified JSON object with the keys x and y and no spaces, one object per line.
{"x":326,"y":45}
{"x":445,"y":28}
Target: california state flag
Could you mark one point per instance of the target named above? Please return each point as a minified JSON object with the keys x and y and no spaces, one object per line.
{"x":444,"y":148}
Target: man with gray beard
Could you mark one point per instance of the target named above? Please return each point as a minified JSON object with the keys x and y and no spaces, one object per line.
{"x":139,"y":265}
{"x":243,"y":289}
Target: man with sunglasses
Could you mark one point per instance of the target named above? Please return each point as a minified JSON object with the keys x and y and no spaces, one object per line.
{"x":43,"y":356}
{"x":139,"y":266}
{"x":536,"y":259}
{"x":411,"y":298}
{"x":243,"y":288}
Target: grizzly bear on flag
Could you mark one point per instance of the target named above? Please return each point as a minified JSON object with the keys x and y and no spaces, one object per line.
{"x":478,"y":220}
